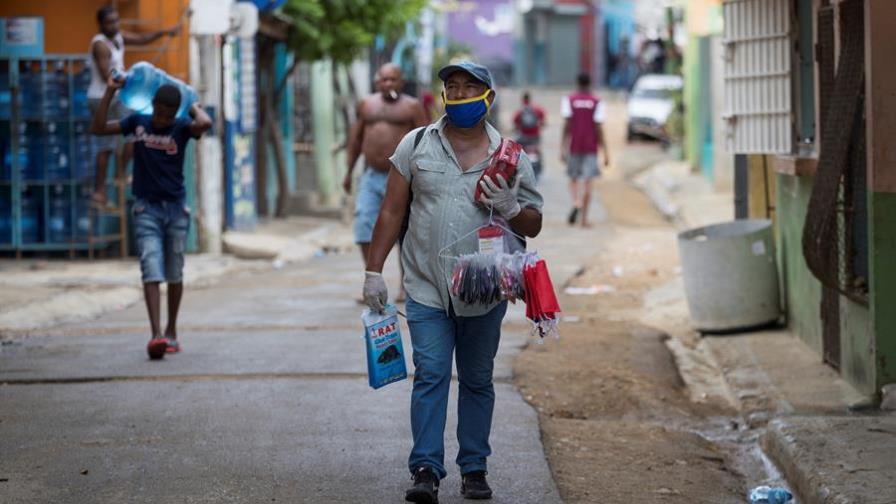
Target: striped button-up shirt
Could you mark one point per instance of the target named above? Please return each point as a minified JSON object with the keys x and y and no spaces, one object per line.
{"x":444,"y":217}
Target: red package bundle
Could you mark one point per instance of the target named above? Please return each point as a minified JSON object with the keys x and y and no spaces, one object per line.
{"x":541,"y":302}
{"x":504,"y":162}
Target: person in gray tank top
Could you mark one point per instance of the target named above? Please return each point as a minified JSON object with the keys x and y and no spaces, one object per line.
{"x":107,"y":54}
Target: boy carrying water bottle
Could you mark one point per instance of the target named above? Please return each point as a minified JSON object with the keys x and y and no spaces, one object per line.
{"x":161,"y":217}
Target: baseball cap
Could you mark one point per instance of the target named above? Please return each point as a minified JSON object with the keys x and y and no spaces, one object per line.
{"x":479,"y":72}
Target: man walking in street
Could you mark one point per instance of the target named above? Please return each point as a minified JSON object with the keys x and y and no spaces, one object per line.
{"x":383,"y":119}
{"x":434,"y":175}
{"x":528,"y":122}
{"x":583,"y":136}
{"x":107,"y":54}
{"x":161,"y":216}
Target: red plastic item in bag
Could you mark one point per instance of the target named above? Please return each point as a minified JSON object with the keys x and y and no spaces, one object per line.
{"x":504,"y":162}
{"x":541,"y":302}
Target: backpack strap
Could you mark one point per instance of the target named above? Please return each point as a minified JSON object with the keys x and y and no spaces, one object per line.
{"x":419,"y":136}
{"x":407,"y":215}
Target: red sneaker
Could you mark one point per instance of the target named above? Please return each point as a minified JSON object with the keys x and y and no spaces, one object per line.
{"x":173,"y":346}
{"x":157,"y":348}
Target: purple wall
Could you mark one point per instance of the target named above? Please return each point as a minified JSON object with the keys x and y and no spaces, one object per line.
{"x":486,"y":26}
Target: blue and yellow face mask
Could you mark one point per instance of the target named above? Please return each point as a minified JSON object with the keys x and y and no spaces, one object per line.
{"x":468,"y":112}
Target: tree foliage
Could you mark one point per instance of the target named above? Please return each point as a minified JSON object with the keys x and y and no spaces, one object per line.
{"x":340,"y":29}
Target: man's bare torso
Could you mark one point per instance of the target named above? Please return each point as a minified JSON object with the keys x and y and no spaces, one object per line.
{"x":385,"y":124}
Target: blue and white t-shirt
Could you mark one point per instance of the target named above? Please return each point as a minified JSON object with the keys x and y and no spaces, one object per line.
{"x":158,"y":157}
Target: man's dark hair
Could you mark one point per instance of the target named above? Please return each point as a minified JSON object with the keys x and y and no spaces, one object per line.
{"x":103,"y":13}
{"x":584,"y":80}
{"x":526,"y":96}
{"x":168,"y":96}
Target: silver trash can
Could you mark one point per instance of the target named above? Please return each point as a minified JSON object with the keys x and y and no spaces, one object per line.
{"x":730,"y":275}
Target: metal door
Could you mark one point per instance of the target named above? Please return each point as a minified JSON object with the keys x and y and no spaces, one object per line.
{"x":563,"y":50}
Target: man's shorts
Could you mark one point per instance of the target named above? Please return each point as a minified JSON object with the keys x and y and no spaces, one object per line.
{"x":161,"y":232}
{"x":580,"y":166}
{"x":117,"y":111}
{"x":371,"y":191}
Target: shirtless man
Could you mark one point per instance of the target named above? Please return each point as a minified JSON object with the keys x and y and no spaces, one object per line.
{"x":384,"y":118}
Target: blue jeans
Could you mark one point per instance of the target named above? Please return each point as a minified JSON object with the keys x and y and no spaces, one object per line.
{"x":368,"y":200}
{"x":161,"y":228}
{"x":435,"y":336}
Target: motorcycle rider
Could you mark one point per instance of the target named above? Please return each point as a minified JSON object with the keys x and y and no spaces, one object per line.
{"x":527,"y":122}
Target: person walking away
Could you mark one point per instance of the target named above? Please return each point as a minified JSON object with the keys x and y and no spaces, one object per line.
{"x":583,"y":136}
{"x":440,"y":166}
{"x":527,"y":123}
{"x":383,"y":119}
{"x":161,"y":216}
{"x":107,"y":54}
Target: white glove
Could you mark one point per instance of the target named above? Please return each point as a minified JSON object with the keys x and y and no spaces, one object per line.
{"x":501,"y":196}
{"x":375,"y":292}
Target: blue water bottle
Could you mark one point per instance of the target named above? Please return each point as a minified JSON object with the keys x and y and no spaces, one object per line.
{"x":79,"y":99}
{"x":769,"y":495}
{"x":141,"y":83}
{"x":55,"y":85}
{"x":60,"y":222}
{"x":5,"y":217}
{"x":5,"y":96}
{"x":30,"y":208}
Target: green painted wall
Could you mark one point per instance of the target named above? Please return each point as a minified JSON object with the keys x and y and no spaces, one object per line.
{"x":882,"y":231}
{"x":692,"y":116}
{"x":802,"y":292}
{"x":283,"y":60}
{"x":857,"y":346}
{"x":190,"y":185}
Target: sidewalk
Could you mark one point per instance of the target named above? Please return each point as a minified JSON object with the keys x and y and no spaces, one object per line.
{"x":803,"y":410}
{"x":36,"y":294}
{"x":685,"y":198}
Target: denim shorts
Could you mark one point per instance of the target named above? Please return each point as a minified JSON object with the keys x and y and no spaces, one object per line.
{"x":371,"y":191}
{"x":117,"y":111}
{"x":580,"y":166}
{"x":160,"y":228}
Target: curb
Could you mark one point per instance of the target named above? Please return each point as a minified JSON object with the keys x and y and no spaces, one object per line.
{"x":786,"y":454}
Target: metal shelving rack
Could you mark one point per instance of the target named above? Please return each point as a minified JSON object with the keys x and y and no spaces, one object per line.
{"x":81,"y":227}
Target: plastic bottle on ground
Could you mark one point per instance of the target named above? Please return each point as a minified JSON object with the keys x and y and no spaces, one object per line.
{"x":770,"y":495}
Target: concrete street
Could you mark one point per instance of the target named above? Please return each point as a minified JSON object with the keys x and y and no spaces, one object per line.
{"x":267,"y":402}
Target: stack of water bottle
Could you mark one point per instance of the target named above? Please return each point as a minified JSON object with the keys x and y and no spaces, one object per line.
{"x":52,"y":154}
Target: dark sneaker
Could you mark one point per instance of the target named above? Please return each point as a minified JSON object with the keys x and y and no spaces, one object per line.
{"x":426,"y":487}
{"x":157,"y":348}
{"x":474,"y":486}
{"x":573,"y":215}
{"x":173,"y":346}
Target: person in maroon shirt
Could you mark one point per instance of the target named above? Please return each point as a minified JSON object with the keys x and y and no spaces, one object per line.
{"x":582,"y":137}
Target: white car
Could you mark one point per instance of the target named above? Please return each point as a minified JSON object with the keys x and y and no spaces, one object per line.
{"x":650,"y":104}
